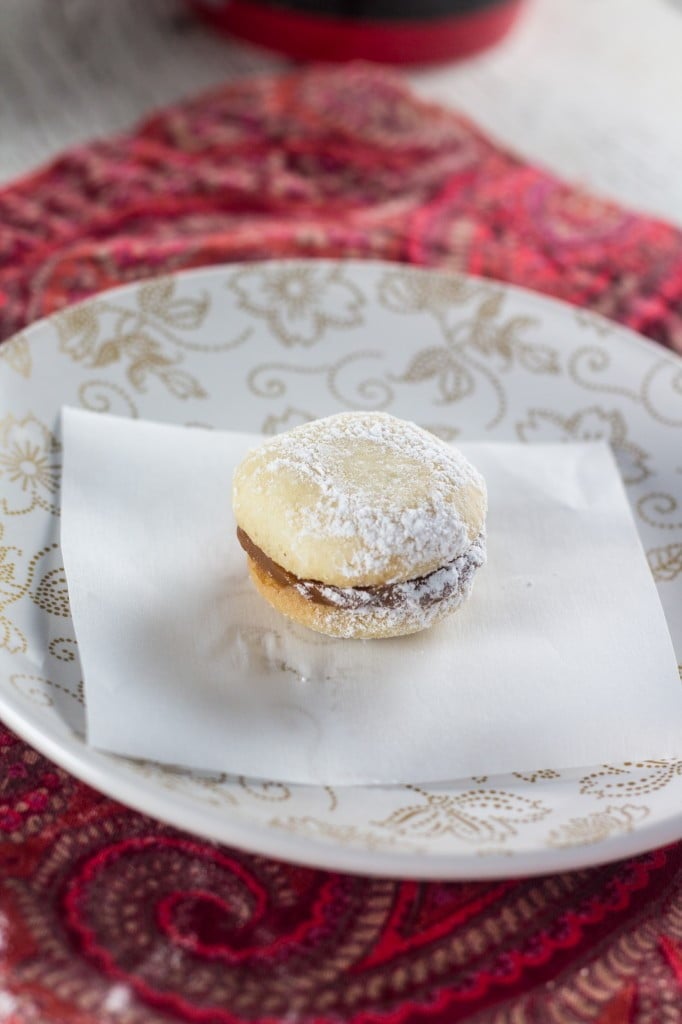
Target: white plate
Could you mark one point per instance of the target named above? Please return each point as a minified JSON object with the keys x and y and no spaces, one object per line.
{"x":262,"y":347}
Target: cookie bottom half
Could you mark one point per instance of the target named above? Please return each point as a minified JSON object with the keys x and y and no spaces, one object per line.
{"x":409,"y":615}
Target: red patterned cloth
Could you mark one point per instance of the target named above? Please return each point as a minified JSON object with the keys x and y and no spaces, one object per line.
{"x":106,"y":915}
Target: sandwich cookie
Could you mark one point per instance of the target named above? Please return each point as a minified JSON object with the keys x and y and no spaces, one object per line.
{"x":361,"y":525}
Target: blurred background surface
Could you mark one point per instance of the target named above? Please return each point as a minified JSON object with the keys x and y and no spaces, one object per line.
{"x":590,"y":88}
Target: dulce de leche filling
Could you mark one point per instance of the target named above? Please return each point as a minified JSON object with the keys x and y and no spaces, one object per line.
{"x":428,"y":589}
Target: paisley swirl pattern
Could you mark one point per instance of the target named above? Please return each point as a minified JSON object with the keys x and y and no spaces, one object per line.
{"x":116,"y":909}
{"x":108,"y":916}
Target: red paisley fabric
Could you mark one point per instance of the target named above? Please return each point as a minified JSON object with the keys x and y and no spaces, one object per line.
{"x":106,"y":915}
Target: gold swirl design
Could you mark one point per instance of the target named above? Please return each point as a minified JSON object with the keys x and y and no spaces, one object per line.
{"x":225,"y":346}
{"x":598,"y":360}
{"x":653,"y":507}
{"x":675,"y":384}
{"x":271,"y":792}
{"x":374,"y":392}
{"x":63,"y":648}
{"x":34,"y":693}
{"x":499,"y":391}
{"x":267,"y":380}
{"x":275,"y":387}
{"x":102,"y":396}
{"x":39,"y":696}
{"x":12,"y":589}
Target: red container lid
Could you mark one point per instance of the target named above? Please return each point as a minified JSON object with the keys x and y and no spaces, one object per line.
{"x":407,"y":32}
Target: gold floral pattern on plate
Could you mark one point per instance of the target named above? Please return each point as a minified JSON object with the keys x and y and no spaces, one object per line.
{"x":467,"y":358}
{"x":149,"y":339}
{"x":666,"y":562}
{"x":541,"y":775}
{"x":598,"y":826}
{"x":13,"y":587}
{"x":591,"y":424}
{"x":638,"y":778}
{"x":36,"y":689}
{"x":299,"y":302}
{"x":655,"y":509}
{"x":352,"y":381}
{"x":488,"y":816}
{"x":63,"y":648}
{"x":17,"y":353}
{"x":476,"y":342}
{"x":105,"y":396}
{"x":30,"y":466}
{"x":345,"y":835}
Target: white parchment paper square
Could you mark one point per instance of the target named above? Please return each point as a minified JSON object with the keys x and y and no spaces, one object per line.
{"x":562,"y":656}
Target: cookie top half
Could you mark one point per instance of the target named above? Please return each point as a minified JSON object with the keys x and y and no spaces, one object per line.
{"x":359,"y":499}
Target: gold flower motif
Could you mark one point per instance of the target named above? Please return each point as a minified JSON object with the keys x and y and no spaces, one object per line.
{"x":477,"y":817}
{"x":17,"y":354}
{"x":147,"y":340}
{"x":29,"y":466}
{"x":299,"y":302}
{"x":592,"y":424}
{"x":666,"y":562}
{"x":597,"y":827}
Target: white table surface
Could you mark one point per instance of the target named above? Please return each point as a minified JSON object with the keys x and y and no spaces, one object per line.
{"x":589,"y":88}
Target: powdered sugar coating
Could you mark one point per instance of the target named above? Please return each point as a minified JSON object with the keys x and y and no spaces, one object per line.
{"x":359,"y":499}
